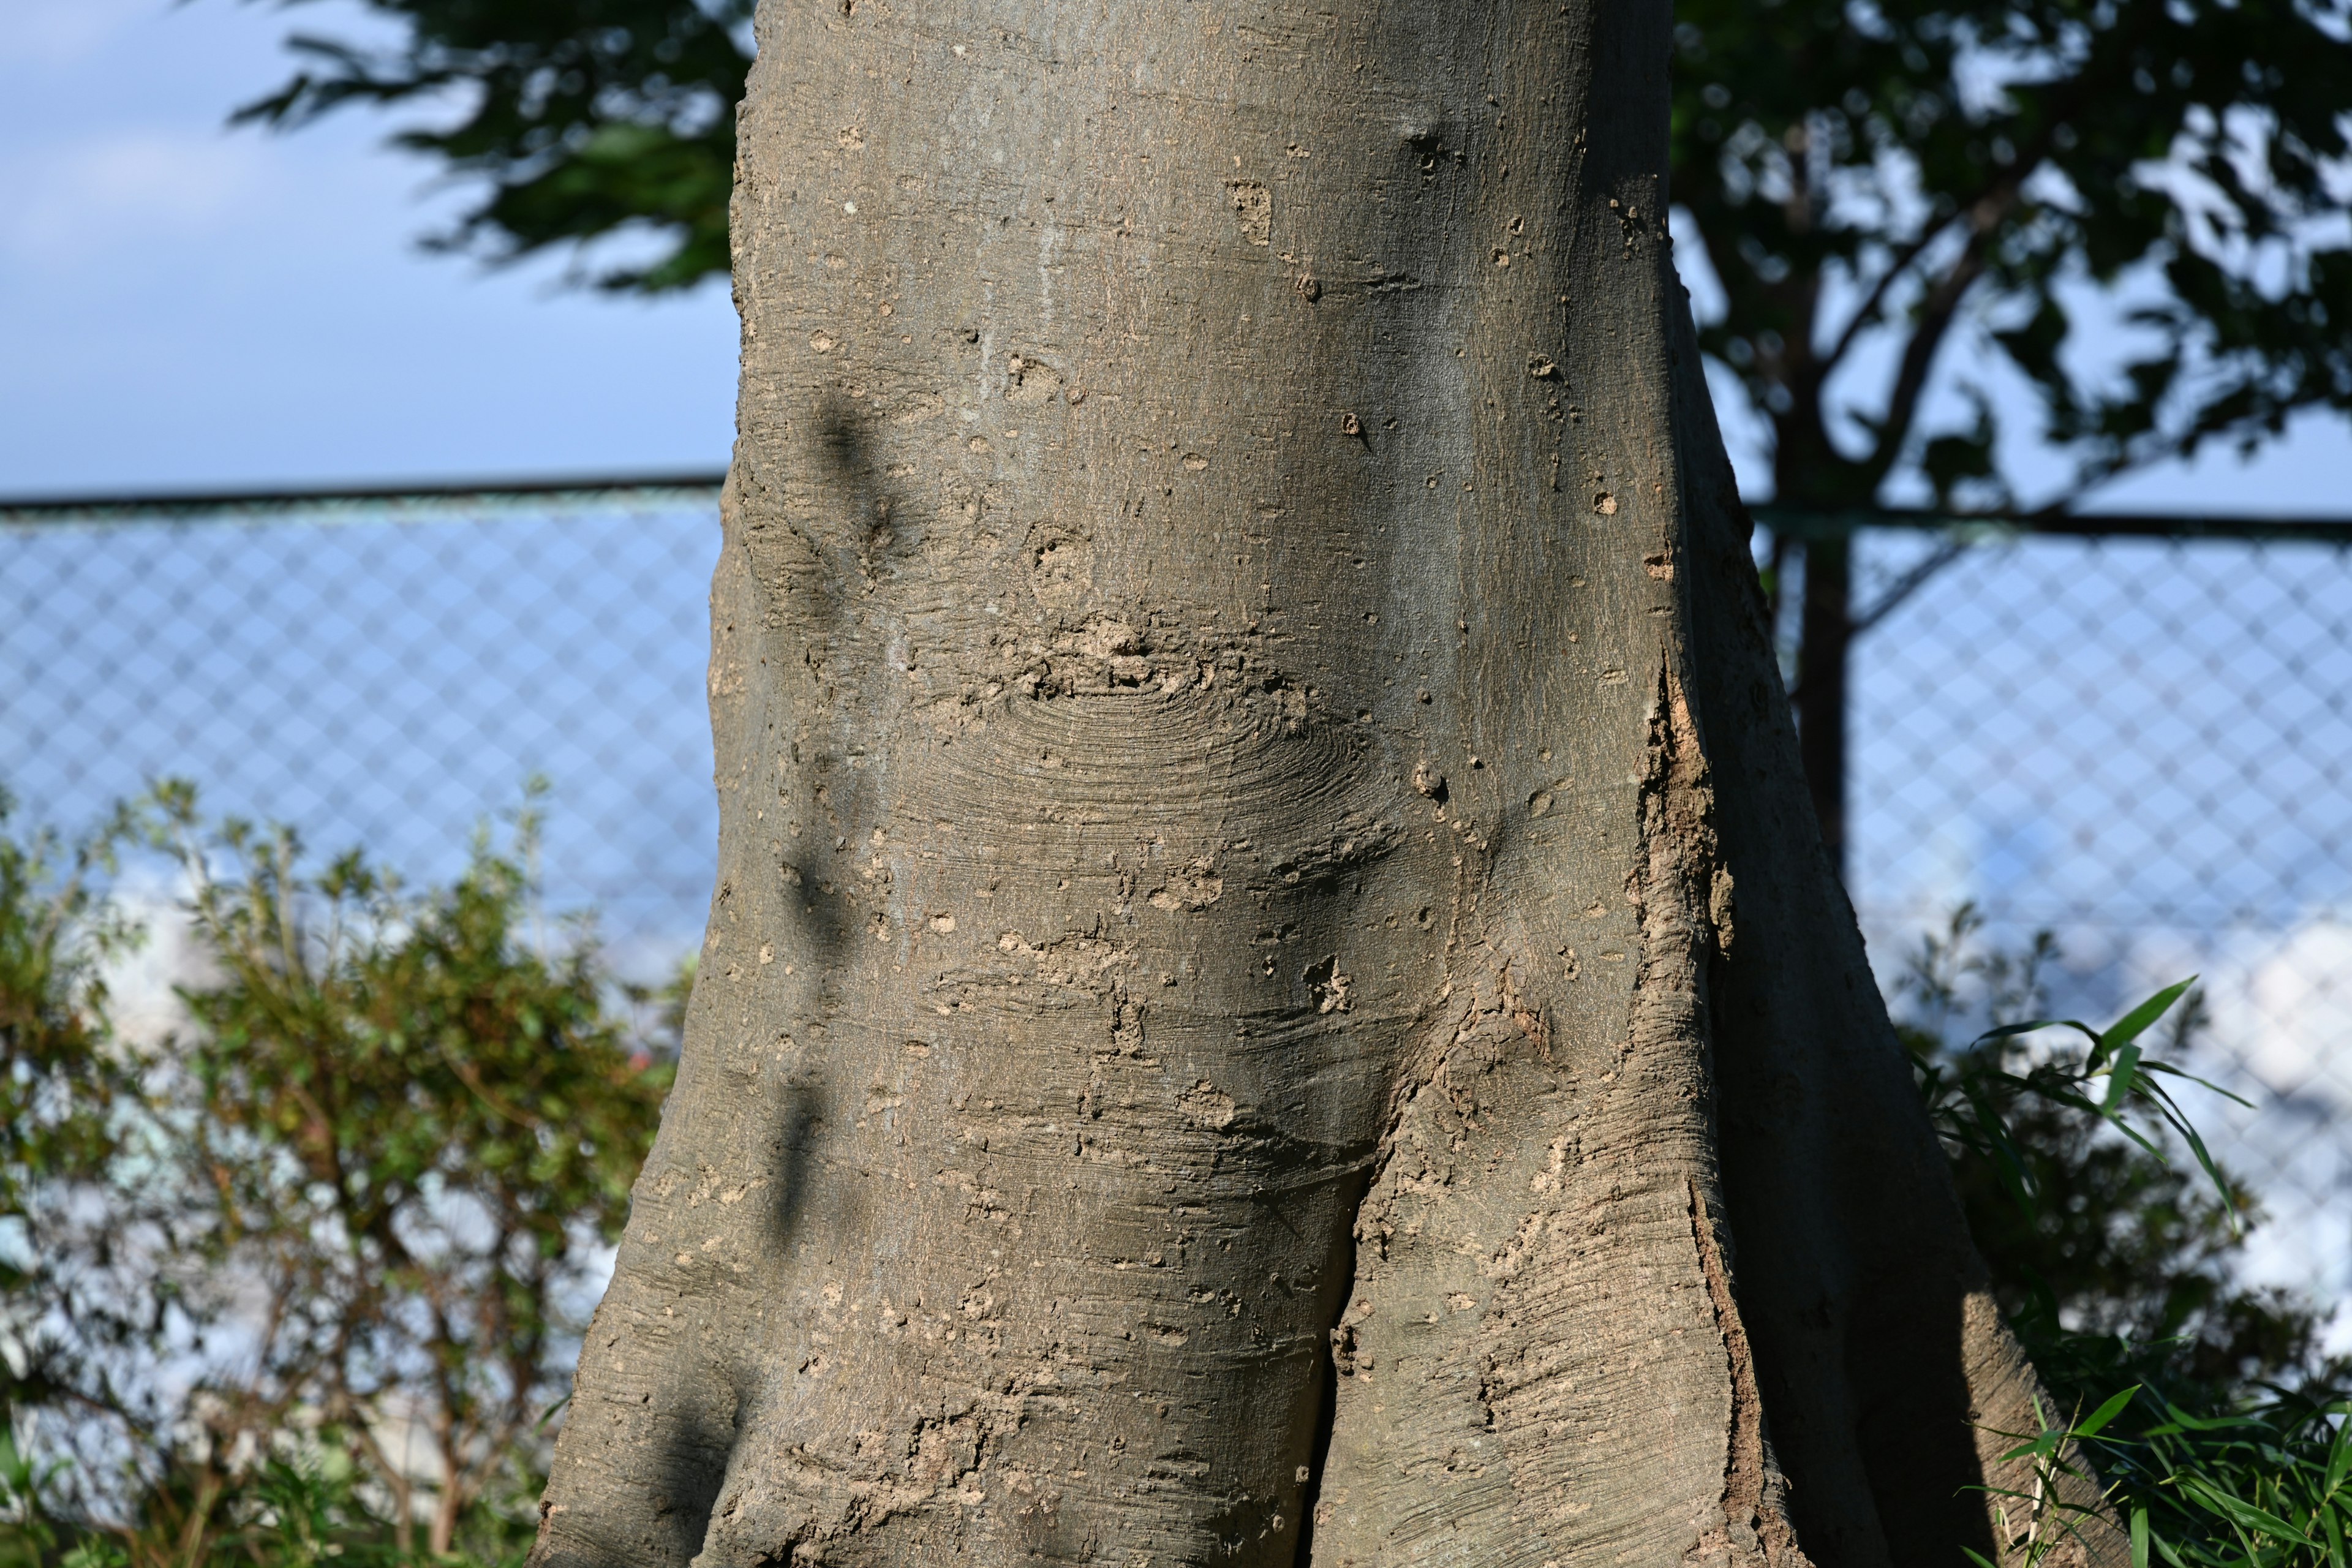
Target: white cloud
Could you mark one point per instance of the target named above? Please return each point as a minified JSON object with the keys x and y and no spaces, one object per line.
{"x":2281,"y":1036}
{"x":2287,"y":1014}
{"x":140,"y":999}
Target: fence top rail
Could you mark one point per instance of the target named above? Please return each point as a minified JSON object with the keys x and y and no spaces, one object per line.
{"x":1799,"y":521}
{"x":703,"y":484}
{"x":699,"y":484}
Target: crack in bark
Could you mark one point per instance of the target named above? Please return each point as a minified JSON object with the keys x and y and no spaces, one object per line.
{"x":1685,"y":896}
{"x":1318,"y":1456}
{"x":1755,"y":1526}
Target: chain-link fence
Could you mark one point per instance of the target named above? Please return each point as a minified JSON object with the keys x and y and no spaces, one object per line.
{"x":2136,"y":736}
{"x":2143,"y":744}
{"x":386,"y":672}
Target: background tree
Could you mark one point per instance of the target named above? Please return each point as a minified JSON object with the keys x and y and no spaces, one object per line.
{"x":585,"y":119}
{"x":67,"y":1118}
{"x":1917,"y":211}
{"x":418,"y":1126}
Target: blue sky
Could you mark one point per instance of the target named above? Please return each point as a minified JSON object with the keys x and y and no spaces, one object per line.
{"x":186,"y":305}
{"x":189,"y":305}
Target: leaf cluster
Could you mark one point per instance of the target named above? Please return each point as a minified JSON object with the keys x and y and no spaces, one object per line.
{"x":282,"y":1515}
{"x":69,"y":1109}
{"x":2065,"y":1157}
{"x":58,"y":1087}
{"x":583,"y":117}
{"x":1882,"y":173}
{"x":414,"y":1120}
{"x":2260,"y":1481}
{"x":353,"y":1204}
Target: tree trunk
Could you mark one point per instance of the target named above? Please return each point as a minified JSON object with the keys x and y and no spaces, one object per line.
{"x":1272,"y":994}
{"x":1824,"y":651}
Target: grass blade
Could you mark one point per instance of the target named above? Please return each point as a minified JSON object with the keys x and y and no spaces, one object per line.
{"x":2133,"y":1024}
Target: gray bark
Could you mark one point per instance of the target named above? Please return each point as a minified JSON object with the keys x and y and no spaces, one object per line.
{"x":1272,"y":994}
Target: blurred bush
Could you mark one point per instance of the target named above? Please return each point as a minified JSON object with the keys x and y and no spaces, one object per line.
{"x":309,"y":1266}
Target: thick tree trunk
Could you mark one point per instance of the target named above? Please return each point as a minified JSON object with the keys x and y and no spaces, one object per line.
{"x":1273,"y":995}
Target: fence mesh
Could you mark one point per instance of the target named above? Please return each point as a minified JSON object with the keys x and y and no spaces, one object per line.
{"x":388,"y":676}
{"x":2142,"y":745}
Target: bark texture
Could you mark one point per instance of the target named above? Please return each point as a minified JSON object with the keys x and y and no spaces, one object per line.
{"x":1273,"y":995}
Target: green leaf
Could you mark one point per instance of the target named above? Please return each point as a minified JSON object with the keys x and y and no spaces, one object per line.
{"x":2135,"y":1023}
{"x":2239,"y":1511}
{"x":2031,"y":1026}
{"x":2040,"y":1447}
{"x":2121,"y":1079}
{"x":2169,"y":1070}
{"x":2107,"y":1413}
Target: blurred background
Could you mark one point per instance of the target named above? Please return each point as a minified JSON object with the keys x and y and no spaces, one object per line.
{"x":361,"y":485}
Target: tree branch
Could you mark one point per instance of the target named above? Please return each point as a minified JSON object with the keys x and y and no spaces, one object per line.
{"x":1987,"y":207}
{"x":1942,"y":308}
{"x":1869,"y":307}
{"x":1910,"y":583}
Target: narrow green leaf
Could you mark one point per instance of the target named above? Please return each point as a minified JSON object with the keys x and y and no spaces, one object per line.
{"x":2205,"y":1083}
{"x":2133,"y":1024}
{"x":550,"y":1414}
{"x":2213,"y":1174}
{"x":2107,"y":1413}
{"x":2121,"y":1077}
{"x":2339,"y":1458}
{"x":2010,"y":1031}
{"x":2239,"y":1511}
{"x":2042,"y":1448}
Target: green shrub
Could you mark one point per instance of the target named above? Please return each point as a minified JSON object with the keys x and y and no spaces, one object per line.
{"x":354,"y":1204}
{"x":2216,"y":1431}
